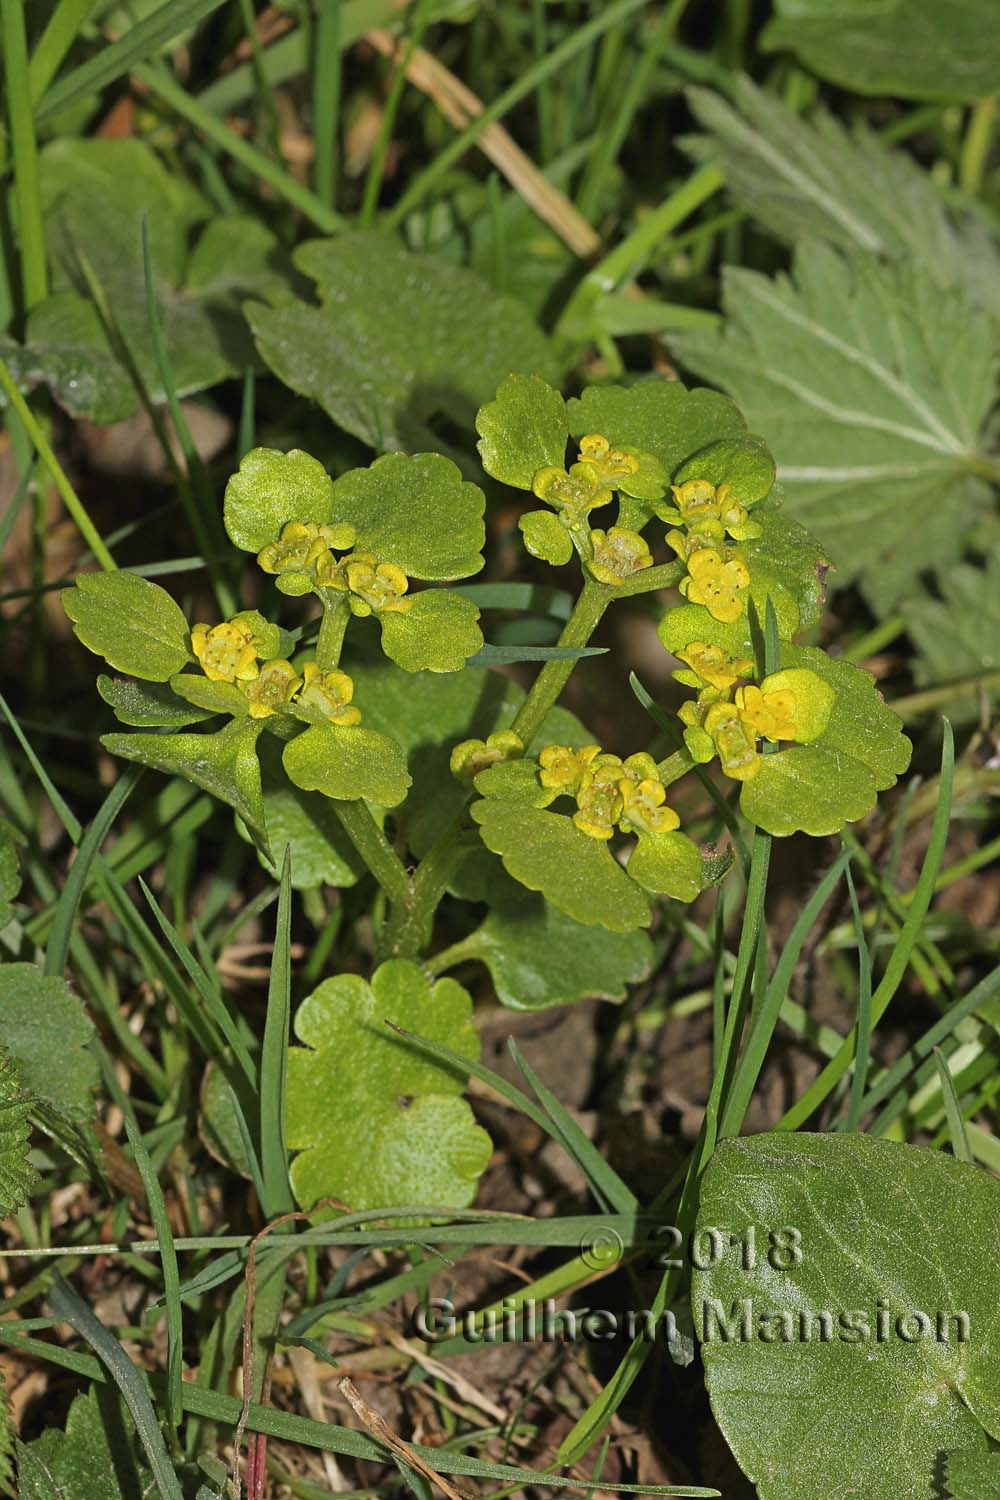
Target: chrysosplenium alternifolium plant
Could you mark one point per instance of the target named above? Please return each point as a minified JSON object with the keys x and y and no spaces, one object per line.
{"x":436,"y":770}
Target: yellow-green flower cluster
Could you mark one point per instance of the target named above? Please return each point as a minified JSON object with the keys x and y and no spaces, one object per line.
{"x":727,"y":720}
{"x":586,"y":485}
{"x":243,"y":651}
{"x":303,"y":559}
{"x":716,"y":577}
{"x":610,"y":792}
{"x":472,"y":756}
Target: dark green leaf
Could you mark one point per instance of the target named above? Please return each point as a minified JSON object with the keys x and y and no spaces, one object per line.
{"x":17,"y":1176}
{"x":42,"y":1020}
{"x":131,"y":622}
{"x":90,"y":1460}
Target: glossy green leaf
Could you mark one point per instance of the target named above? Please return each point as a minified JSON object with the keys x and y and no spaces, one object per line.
{"x":915,"y":49}
{"x":538,"y":957}
{"x":269,"y":490}
{"x":17,"y":1176}
{"x":348,"y":762}
{"x":438,"y":633}
{"x":396,"y":340}
{"x":547,"y":852}
{"x":224,"y":763}
{"x":808,"y":789}
{"x":522,"y":430}
{"x":957,"y":635}
{"x":322,"y":854}
{"x":213,"y":697}
{"x":378,"y":1122}
{"x":546,"y":537}
{"x":848,"y":370}
{"x":416,"y":512}
{"x":661,"y":417}
{"x":514,"y":781}
{"x":133,"y":623}
{"x":668,"y":864}
{"x":845,"y":1370}
{"x":744,"y":463}
{"x":147,"y":706}
{"x":40,"y":1020}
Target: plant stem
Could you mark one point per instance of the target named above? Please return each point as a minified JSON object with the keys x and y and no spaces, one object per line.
{"x":410,"y":921}
{"x":375,"y":849}
{"x":332,"y":630}
{"x":977,"y":143}
{"x":326,"y":100}
{"x":590,"y":606}
{"x":70,"y":498}
{"x":34,"y":281}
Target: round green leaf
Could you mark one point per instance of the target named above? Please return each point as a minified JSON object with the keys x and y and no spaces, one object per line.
{"x":438,"y":633}
{"x":668,"y":864}
{"x":348,"y":762}
{"x":546,"y":537}
{"x":131,"y":622}
{"x":861,"y":724}
{"x":514,"y":781}
{"x":744,"y":463}
{"x":523,"y":430}
{"x":842,"y":1368}
{"x":787,"y":562}
{"x":416,"y":512}
{"x":271,"y":489}
{"x":814,"y":700}
{"x":547,"y":852}
{"x":808,"y":789}
{"x":660,"y":417}
{"x":378,"y":1122}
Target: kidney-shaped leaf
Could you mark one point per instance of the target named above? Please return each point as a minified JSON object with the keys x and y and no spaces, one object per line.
{"x":348,"y":762}
{"x":438,"y":633}
{"x":661,"y":417}
{"x":744,"y":463}
{"x":857,"y":1344}
{"x":522,"y":430}
{"x":271,"y":489}
{"x":131,"y":622}
{"x":378,"y":1122}
{"x":416,"y":512}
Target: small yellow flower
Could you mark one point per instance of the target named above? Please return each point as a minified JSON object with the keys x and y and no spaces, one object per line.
{"x":302,"y":544}
{"x":716,"y":584}
{"x":226,"y":652}
{"x":275,"y":685}
{"x":697,"y":500}
{"x":736,"y":519}
{"x":472,"y":756}
{"x":608,"y":465}
{"x":378,"y":587}
{"x":618,"y":554}
{"x":713,"y":665}
{"x":769,"y":714}
{"x":329,"y":694}
{"x":599,"y":807}
{"x":578,"y":492}
{"x":644,"y":806}
{"x":563,"y":768}
{"x":734,"y":742}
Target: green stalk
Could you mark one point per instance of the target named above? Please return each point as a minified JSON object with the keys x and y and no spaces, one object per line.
{"x":34,"y":280}
{"x":410,"y":921}
{"x":326,"y":100}
{"x":69,"y":496}
{"x":375,"y":849}
{"x":977,"y":144}
{"x":590,"y":606}
{"x":332,"y":629}
{"x":54,"y":43}
{"x":373,"y":181}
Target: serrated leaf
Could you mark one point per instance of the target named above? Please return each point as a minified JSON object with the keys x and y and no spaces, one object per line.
{"x":849,"y":370}
{"x":546,"y":852}
{"x":809,"y":1416}
{"x":322,"y":854}
{"x":7,"y":1437}
{"x":744,"y":463}
{"x":914,"y":48}
{"x":661,"y":417}
{"x":396,"y":340}
{"x":668,"y":864}
{"x":95,"y":195}
{"x":438,"y":633}
{"x":41,"y":1020}
{"x":523,"y":429}
{"x":810,"y":176}
{"x":130,"y":621}
{"x":17,"y":1176}
{"x":346,"y":763}
{"x":147,"y":706}
{"x":272,"y":488}
{"x":10,"y":869}
{"x":957,"y":635}
{"x":224,"y":763}
{"x":416,"y":512}
{"x":377,"y":1122}
{"x":90,"y":1460}
{"x":538,"y":957}
{"x":861,"y":723}
{"x":807,"y":789}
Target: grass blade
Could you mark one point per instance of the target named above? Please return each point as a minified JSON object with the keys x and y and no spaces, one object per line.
{"x":952,"y":1109}
{"x":274,"y":1059}
{"x":864,"y":1027}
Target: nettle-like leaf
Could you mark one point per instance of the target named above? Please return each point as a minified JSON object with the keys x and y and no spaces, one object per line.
{"x":224,"y":763}
{"x":270,"y":489}
{"x":396,"y":340}
{"x":437,"y":633}
{"x":93,"y":1459}
{"x":305,"y":823}
{"x":848,"y":368}
{"x":148,"y":706}
{"x":913,"y":48}
{"x":347,"y":762}
{"x":810,"y":176}
{"x":538,"y":957}
{"x":523,"y":429}
{"x":958,"y":635}
{"x":40,"y":1020}
{"x":17,"y":1176}
{"x":133,"y":623}
{"x":10,"y":869}
{"x":379,"y":1123}
{"x":861,"y":1342}
{"x":547,"y":852}
{"x":95,"y":194}
{"x":416,"y":512}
